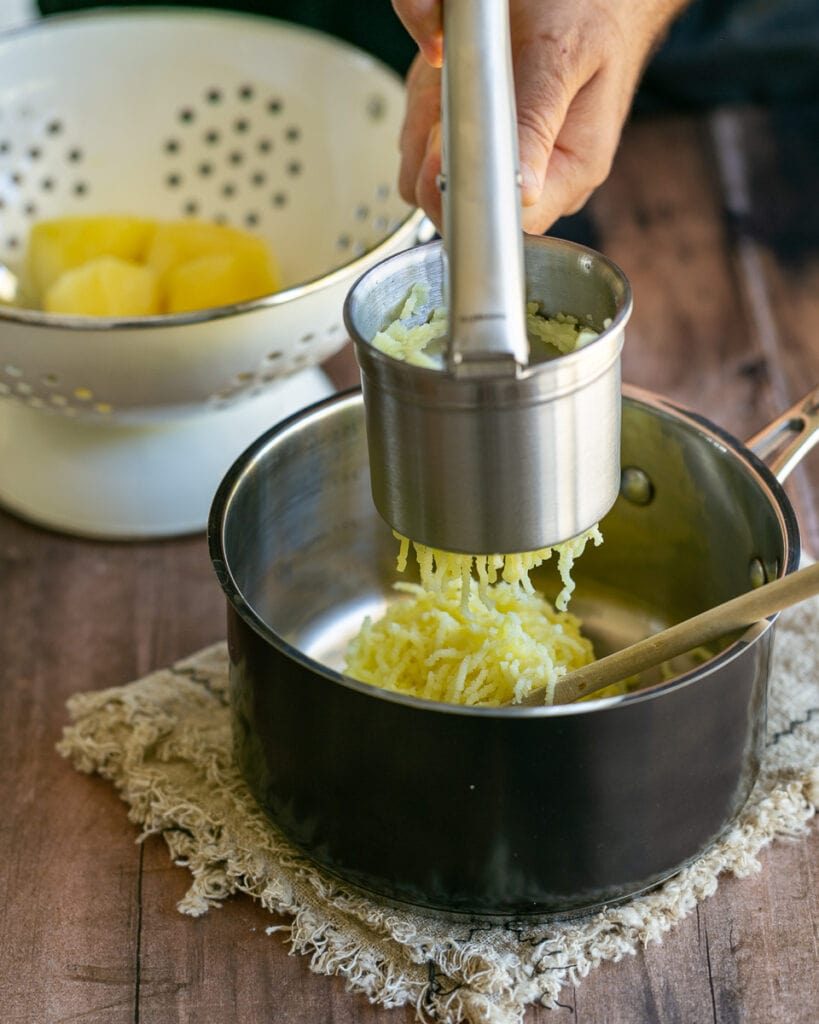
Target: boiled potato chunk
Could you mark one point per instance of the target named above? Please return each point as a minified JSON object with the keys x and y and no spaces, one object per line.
{"x":220,"y":279}
{"x":107,"y":286}
{"x":131,"y":266}
{"x":176,"y":243}
{"x":64,"y":243}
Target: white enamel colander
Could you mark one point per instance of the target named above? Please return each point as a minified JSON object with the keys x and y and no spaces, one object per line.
{"x":123,"y":428}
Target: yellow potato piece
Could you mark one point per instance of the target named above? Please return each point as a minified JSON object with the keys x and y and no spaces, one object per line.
{"x":64,"y":243}
{"x":107,"y":286}
{"x":220,"y":279}
{"x":178,"y":242}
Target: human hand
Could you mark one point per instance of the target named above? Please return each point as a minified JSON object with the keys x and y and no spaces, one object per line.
{"x":576,"y":63}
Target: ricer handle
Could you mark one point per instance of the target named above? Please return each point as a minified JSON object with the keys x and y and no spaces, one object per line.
{"x":481,"y":192}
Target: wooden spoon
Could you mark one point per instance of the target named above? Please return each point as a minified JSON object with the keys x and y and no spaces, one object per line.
{"x":738,"y":613}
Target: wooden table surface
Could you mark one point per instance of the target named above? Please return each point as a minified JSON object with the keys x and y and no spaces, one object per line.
{"x":714,"y":219}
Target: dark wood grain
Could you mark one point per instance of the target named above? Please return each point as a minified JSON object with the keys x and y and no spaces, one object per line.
{"x":660,"y":216}
{"x":227,"y":964}
{"x":726,"y":305}
{"x":89,"y":931}
{"x":766,"y":160}
{"x":78,"y":615}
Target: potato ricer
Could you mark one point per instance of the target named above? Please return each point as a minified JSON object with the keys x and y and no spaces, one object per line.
{"x":500,"y":450}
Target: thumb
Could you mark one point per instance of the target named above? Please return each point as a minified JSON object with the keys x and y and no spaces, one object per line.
{"x":544,"y":93}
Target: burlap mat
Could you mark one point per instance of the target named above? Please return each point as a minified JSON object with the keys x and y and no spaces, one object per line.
{"x":164,"y":741}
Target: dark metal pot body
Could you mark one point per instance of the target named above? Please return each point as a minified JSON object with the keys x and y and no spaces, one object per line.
{"x":496,"y":812}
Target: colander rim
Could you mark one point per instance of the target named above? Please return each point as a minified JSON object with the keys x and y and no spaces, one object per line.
{"x":407,"y":229}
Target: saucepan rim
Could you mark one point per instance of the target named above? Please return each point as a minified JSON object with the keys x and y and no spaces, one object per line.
{"x":230,"y":484}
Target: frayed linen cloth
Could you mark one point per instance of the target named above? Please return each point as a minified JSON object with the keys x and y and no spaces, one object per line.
{"x":165,"y":743}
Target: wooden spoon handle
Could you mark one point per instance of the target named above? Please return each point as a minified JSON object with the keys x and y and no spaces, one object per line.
{"x":737,"y":613}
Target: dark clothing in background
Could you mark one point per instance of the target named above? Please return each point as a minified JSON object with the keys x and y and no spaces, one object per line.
{"x":717,"y":51}
{"x":722,"y":51}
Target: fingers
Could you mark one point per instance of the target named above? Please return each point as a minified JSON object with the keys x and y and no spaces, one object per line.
{"x":582,"y":154}
{"x":549,"y":73}
{"x":419,"y":138}
{"x":570,"y":113}
{"x":422,"y":19}
{"x":427,"y":193}
{"x":537,"y":222}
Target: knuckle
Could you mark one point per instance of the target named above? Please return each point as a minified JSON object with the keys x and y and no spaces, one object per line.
{"x":598,"y":168}
{"x":538,"y":129}
{"x":415,"y":71}
{"x":577,"y":204}
{"x":406,"y":188}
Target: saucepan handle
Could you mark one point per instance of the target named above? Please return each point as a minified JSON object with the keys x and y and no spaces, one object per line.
{"x":784,"y":443}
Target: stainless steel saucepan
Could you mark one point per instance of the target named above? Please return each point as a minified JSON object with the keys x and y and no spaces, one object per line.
{"x":511,"y":811}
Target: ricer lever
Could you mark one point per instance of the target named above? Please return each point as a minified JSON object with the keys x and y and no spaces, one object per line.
{"x":481,"y":198}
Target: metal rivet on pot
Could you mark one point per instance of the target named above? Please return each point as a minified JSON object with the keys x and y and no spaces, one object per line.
{"x":756,"y":573}
{"x":636,"y":486}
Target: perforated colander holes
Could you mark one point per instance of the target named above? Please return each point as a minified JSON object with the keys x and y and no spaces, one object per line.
{"x":86,"y":400}
{"x":228,"y":396}
{"x":371,"y":214}
{"x":27,"y":170}
{"x":42,"y":393}
{"x":22,"y":392}
{"x":347,"y":245}
{"x":381,"y":222}
{"x":275,"y":366}
{"x":222,"y":398}
{"x":221,"y":151}
{"x":237,"y":386}
{"x":376,"y":107}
